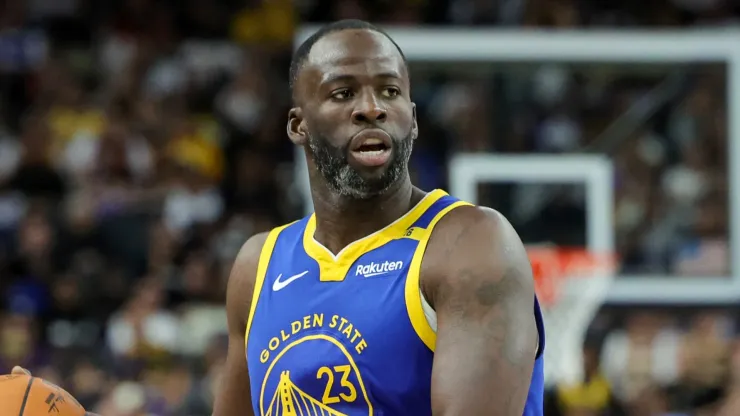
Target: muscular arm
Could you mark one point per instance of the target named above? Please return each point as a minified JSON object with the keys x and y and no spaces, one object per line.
{"x":479,"y":280}
{"x":234,"y":395}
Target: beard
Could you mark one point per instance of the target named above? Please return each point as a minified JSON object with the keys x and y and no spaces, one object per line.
{"x":344,"y":180}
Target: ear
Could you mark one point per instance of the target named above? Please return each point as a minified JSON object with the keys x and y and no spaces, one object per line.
{"x":415,"y":127}
{"x":296,"y":127}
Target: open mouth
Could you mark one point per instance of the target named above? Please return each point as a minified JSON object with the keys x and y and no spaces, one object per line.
{"x":372,"y":146}
{"x":372,"y":152}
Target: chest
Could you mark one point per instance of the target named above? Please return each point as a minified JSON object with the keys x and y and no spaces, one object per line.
{"x":347,"y":345}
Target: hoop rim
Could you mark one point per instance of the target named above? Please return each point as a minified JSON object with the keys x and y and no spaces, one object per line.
{"x":553,"y":265}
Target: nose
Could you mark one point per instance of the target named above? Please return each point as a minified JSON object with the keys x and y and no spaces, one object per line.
{"x":368,"y":110}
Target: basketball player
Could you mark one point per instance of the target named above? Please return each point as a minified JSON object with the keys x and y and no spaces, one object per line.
{"x":388,"y":300}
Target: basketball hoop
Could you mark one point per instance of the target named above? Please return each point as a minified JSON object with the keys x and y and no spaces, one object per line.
{"x":571,"y":285}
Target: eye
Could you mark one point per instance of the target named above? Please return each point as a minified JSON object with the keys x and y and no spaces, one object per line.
{"x":390,"y":92}
{"x":342,"y":94}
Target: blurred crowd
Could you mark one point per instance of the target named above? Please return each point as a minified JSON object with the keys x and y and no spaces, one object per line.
{"x":142,"y":142}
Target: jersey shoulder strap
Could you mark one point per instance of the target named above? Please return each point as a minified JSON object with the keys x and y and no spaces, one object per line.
{"x":268,"y":248}
{"x":422,"y":230}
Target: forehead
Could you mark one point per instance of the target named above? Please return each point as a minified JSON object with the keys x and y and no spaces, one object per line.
{"x":354,"y":52}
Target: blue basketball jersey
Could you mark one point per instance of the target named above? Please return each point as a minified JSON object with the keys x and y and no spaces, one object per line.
{"x":347,"y":334}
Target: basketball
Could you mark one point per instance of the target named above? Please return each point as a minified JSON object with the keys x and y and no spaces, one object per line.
{"x":24,"y":395}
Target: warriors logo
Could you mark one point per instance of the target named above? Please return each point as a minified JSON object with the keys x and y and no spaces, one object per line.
{"x":311,"y":370}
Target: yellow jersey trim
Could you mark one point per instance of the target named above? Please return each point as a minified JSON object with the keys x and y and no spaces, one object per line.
{"x":412,"y":290}
{"x":265,"y":255}
{"x":414,"y":233}
{"x":334,"y":268}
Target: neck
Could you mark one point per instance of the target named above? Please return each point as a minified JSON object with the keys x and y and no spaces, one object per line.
{"x":341,"y":220}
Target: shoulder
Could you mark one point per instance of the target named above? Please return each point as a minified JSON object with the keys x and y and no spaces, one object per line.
{"x":243,"y":276}
{"x":467,"y":218}
{"x":244,"y":272}
{"x":471,"y":227}
{"x":250,"y":251}
{"x":474,"y":247}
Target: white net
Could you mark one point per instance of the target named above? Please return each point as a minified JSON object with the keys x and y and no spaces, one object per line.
{"x":571,"y":293}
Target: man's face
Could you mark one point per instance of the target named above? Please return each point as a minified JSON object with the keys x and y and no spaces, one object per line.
{"x":355,"y":116}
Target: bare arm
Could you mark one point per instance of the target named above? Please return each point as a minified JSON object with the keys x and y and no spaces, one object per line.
{"x":234,"y":394}
{"x":479,"y":280}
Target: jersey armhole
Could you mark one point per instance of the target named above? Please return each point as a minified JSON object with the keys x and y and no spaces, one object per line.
{"x":540,"y":328}
{"x":264,"y":261}
{"x":413,"y":295}
{"x":431,"y":316}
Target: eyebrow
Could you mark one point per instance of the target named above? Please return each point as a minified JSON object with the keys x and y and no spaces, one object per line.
{"x":328,"y":79}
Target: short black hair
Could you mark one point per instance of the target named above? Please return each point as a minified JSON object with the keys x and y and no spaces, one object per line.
{"x":300,"y":55}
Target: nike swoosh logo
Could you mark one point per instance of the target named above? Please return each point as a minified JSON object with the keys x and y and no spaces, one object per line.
{"x":279,"y":285}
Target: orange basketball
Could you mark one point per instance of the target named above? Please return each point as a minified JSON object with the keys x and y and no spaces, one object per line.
{"x":22,"y":395}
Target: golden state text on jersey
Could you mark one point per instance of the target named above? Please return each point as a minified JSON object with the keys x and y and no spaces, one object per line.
{"x":347,"y":334}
